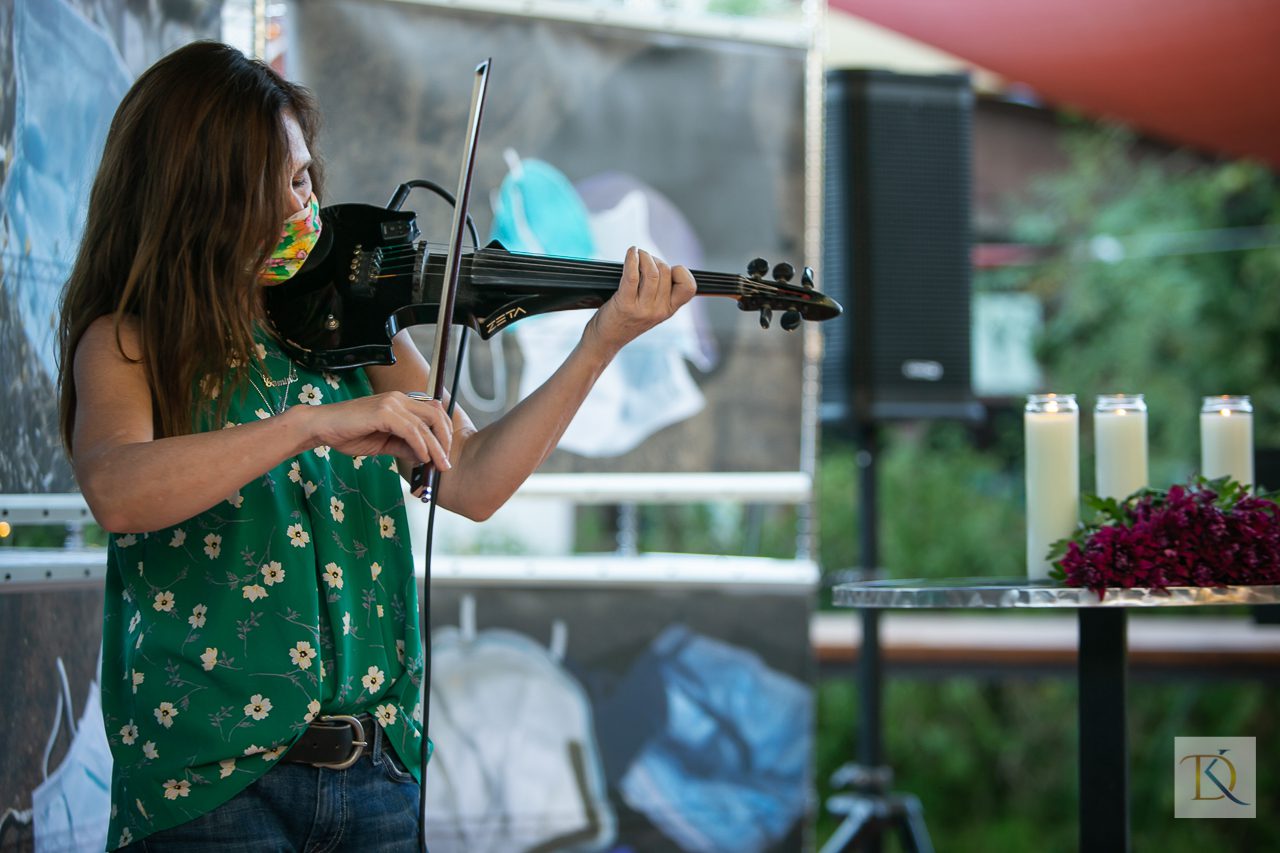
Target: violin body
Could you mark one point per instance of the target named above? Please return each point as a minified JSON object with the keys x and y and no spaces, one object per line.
{"x":370,"y":276}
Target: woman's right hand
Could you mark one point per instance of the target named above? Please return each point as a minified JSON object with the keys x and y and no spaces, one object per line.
{"x":391,"y":423}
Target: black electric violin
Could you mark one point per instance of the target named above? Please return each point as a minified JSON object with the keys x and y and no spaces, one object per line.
{"x":370,"y":275}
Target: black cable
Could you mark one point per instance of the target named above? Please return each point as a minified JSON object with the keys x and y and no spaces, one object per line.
{"x":424,"y":626}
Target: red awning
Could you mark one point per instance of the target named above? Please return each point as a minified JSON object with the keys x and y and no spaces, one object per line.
{"x":1204,"y":73}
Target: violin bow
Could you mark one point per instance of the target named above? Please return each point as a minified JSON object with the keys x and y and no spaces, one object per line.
{"x":425,"y":476}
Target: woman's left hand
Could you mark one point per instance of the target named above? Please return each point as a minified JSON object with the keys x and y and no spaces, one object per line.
{"x":650,"y":291}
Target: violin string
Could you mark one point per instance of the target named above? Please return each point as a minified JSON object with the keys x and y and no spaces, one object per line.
{"x":573,"y":271}
{"x":547,"y":263}
{"x":401,"y":259}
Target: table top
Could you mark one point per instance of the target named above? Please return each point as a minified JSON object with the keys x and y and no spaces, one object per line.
{"x":1021,"y":592}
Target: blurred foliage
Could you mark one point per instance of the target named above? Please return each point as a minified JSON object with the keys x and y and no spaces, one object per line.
{"x":1162,"y":282}
{"x":995,"y":764}
{"x":1182,"y":307}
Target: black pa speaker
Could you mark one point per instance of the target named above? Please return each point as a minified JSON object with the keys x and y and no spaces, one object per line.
{"x":896,"y":247}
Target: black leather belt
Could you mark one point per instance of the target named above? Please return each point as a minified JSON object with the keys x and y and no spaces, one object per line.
{"x":335,"y":742}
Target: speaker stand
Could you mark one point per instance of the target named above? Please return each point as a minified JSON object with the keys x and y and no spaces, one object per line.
{"x":867,"y":807}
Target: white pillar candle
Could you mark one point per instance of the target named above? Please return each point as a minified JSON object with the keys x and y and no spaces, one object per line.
{"x":1051,"y":423}
{"x":1226,"y":438}
{"x":1120,"y":444}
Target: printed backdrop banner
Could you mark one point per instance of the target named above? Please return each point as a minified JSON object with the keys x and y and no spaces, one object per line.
{"x":63,"y":69}
{"x":619,"y":719}
{"x":594,"y":139}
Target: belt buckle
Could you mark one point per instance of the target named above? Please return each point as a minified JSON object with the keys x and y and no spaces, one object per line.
{"x":357,"y":741}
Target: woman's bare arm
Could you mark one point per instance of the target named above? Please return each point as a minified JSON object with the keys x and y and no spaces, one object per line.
{"x":134,"y":482}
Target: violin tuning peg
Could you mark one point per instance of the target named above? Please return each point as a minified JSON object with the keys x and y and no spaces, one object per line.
{"x":790,"y":320}
{"x":757,"y":268}
{"x":784,"y":272}
{"x":766,"y":315}
{"x":806,"y":277}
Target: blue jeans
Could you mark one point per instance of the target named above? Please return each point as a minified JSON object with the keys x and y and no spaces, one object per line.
{"x":297,"y":808}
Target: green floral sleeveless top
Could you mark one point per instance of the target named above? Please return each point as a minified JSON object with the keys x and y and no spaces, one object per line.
{"x":225,"y":635}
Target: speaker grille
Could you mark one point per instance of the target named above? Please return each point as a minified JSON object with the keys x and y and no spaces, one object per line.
{"x":896,"y":245}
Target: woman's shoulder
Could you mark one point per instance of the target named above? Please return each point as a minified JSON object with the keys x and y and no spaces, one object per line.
{"x":111,"y":337}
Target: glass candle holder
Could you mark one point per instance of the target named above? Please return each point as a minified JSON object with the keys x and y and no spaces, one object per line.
{"x":1051,"y":425}
{"x":1120,"y":444}
{"x":1226,"y":438}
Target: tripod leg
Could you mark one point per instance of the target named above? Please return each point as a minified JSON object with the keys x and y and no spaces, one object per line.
{"x":911,"y":828}
{"x":858,"y":817}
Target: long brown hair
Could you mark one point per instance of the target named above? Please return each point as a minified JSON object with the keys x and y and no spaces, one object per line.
{"x":187,"y":204}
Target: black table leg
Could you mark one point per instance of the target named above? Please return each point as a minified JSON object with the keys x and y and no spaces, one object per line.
{"x":1104,"y":742}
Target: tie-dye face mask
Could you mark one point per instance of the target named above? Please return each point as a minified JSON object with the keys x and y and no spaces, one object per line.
{"x":297,"y":239}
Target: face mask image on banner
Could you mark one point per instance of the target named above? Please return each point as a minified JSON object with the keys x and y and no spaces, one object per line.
{"x":70,"y":807}
{"x":538,"y":210}
{"x":517,"y":766}
{"x":728,"y":771}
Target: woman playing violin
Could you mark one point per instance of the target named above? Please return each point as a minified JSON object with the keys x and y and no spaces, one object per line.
{"x":260,"y":581}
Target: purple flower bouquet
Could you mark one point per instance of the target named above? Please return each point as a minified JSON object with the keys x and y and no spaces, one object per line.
{"x":1208,"y":533}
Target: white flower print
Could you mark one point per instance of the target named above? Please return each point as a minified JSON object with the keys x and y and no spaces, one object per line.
{"x":165,"y":714}
{"x":126,"y":541}
{"x":139,"y":568}
{"x":128,"y":734}
{"x":115,"y":808}
{"x":254,"y":749}
{"x":179,"y":537}
{"x":126,"y":837}
{"x":302,"y":654}
{"x":138,"y":644}
{"x":138,"y":678}
{"x":336,"y":508}
{"x":230,"y":424}
{"x":297,"y":536}
{"x":322,"y":670}
{"x":331,"y":379}
{"x":375,"y":570}
{"x":150,"y":751}
{"x":399,"y":650}
{"x":357,"y":461}
{"x":372,"y":680}
{"x":379,"y":611}
{"x":254,"y":591}
{"x":164,"y":601}
{"x":197,"y":616}
{"x":308,"y":489}
{"x":333,"y":575}
{"x":295,"y":472}
{"x":262,"y":414}
{"x":417,"y":713}
{"x":387,"y":526}
{"x":258,"y":708}
{"x":261,"y":351}
{"x":386,"y":714}
{"x":210,"y":386}
{"x":313,"y":708}
{"x":272,"y":573}
{"x":141,"y":808}
{"x":133,"y":623}
{"x":226,"y":768}
{"x":273,"y":754}
{"x":311,"y":395}
{"x":346,"y":624}
{"x":236,"y":500}
{"x":209,"y":659}
{"x":174,"y":789}
{"x":213,"y":545}
{"x":322,"y":451}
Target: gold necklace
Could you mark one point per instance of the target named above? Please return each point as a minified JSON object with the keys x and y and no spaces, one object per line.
{"x":268,"y":382}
